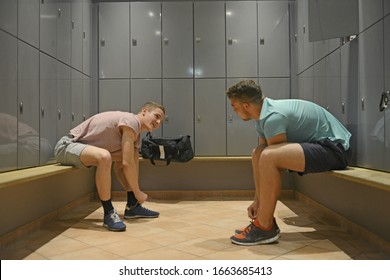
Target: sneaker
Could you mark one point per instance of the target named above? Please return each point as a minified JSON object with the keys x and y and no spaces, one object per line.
{"x":113,"y":222}
{"x":138,"y":211}
{"x":255,"y":236}
{"x":240,"y":230}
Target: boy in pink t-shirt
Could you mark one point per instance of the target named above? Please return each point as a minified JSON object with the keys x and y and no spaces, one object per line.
{"x":107,"y":138}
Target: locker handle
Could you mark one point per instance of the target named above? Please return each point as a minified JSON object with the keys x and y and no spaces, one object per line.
{"x":230,"y":118}
{"x":84,"y":117}
{"x":134,"y":42}
{"x":102,"y":43}
{"x":21,"y":107}
{"x":166,"y":118}
{"x":59,"y":13}
{"x":72,"y":117}
{"x":384,"y":101}
{"x":73,"y":24}
{"x":166,"y":41}
{"x":362,"y":104}
{"x":262,"y":41}
{"x":59,"y":114}
{"x":343,"y":107}
{"x":198,"y":118}
{"x":42,"y":111}
{"x":230,"y":41}
{"x":197,"y":40}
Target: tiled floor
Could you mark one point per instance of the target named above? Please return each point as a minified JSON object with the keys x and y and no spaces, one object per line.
{"x":189,"y":230}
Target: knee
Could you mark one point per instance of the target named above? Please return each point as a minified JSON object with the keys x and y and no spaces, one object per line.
{"x":266,"y":156}
{"x":256,"y":152}
{"x":104,"y":158}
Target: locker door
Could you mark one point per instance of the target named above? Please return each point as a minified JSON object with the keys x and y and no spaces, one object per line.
{"x":241,"y":135}
{"x":8,"y":16}
{"x":319,"y":96}
{"x":275,"y":88}
{"x":209,"y":28}
{"x":8,"y":104}
{"x":349,"y":91}
{"x":142,"y":91}
{"x":210,"y":117}
{"x":77,"y":34}
{"x":87,"y":97}
{"x":177,"y":46}
{"x":28,"y":21}
{"x":64,"y":31}
{"x":114,"y":95}
{"x":63,"y":100}
{"x":333,"y":86}
{"x":145,"y":40}
{"x":386,"y":48}
{"x":241,"y":36}
{"x":87,"y":37}
{"x":179,"y":120}
{"x":370,"y":139}
{"x":76,"y":98}
{"x":28,"y":106}
{"x":48,"y":27}
{"x":114,"y":54}
{"x":48,"y":107}
{"x":273,"y":30}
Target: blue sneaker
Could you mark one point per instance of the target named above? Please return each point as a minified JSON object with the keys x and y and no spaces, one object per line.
{"x":113,"y":222}
{"x":138,"y":211}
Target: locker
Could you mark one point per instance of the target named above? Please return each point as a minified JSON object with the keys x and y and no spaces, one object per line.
{"x":48,"y":107}
{"x":76,"y":97}
{"x":28,"y":21}
{"x":64,"y":31}
{"x":145,"y":24}
{"x":209,"y":34}
{"x":177,"y":46}
{"x":114,"y":55}
{"x":87,"y":36}
{"x":179,"y":120}
{"x":28,"y":106}
{"x":77,"y":34}
{"x":210,"y":117}
{"x":275,"y":88}
{"x":114,"y":95}
{"x":48,"y":27}
{"x":63,"y":99}
{"x":87,"y":97}
{"x":371,"y":85}
{"x":273,"y":39}
{"x":8,"y":93}
{"x":241,"y":37}
{"x":8,"y":16}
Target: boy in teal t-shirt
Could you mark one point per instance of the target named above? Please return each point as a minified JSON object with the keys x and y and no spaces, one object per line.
{"x":294,"y":135}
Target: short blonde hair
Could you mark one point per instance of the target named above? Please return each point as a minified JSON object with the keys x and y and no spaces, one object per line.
{"x":151,"y":105}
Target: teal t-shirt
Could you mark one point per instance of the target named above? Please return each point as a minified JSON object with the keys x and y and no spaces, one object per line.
{"x":301,"y":121}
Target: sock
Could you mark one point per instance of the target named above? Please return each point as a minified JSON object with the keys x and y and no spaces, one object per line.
{"x":131,"y":200}
{"x":256,"y":223}
{"x":107,"y":206}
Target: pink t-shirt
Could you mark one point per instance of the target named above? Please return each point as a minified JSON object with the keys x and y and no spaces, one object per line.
{"x":103,"y":130}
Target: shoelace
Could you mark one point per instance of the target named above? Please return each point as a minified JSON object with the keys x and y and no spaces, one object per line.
{"x":114,"y":216}
{"x":249,"y":227}
{"x":140,"y":205}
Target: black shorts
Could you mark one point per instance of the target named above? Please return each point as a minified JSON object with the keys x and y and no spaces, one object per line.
{"x":324,"y":155}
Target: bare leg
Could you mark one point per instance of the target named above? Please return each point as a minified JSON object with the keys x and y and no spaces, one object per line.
{"x":101,"y":158}
{"x":272,"y":161}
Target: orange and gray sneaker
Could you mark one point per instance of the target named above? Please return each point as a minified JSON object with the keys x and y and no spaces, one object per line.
{"x":253,"y":235}
{"x":240,"y":230}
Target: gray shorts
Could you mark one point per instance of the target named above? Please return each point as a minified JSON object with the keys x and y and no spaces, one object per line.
{"x":68,"y":152}
{"x":324,"y":155}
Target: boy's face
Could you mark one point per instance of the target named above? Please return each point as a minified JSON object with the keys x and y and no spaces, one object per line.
{"x":241,"y":109}
{"x":153,"y":118}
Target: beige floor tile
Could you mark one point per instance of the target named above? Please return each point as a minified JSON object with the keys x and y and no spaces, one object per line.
{"x":189,"y":230}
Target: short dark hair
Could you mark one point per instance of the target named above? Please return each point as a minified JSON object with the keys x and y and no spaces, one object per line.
{"x":246,"y":91}
{"x":151,"y":105}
